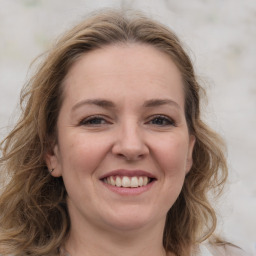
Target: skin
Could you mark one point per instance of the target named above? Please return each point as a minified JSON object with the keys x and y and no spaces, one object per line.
{"x":130,"y":133}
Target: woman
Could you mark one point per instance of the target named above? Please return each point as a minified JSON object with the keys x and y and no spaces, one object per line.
{"x":110,"y":155}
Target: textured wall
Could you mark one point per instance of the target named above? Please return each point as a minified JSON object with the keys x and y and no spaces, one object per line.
{"x":221,"y":38}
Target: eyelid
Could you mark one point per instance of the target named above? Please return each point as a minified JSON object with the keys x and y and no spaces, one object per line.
{"x":106,"y":120}
{"x":168,"y":118}
{"x":89,"y":118}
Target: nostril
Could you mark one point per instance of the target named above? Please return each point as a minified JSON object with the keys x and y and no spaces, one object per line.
{"x":130,"y":149}
{"x":130,"y":157}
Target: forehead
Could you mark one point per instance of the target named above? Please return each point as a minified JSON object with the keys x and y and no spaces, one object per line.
{"x":137,"y":69}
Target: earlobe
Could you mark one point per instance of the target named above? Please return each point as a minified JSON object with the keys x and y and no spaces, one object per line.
{"x":192,"y":140}
{"x":52,"y":162}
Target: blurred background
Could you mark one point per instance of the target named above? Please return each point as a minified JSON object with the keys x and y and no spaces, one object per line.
{"x":220,"y":37}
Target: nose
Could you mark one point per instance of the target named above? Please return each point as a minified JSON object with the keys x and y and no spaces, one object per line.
{"x":130,"y":143}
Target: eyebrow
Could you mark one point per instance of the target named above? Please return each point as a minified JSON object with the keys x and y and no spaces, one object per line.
{"x":98,"y":102}
{"x":159,"y":102}
{"x":109,"y":104}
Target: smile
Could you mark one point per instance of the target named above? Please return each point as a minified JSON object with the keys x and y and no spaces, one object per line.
{"x":127,"y":182}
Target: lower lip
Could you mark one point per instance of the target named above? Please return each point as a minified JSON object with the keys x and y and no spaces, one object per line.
{"x":129,"y":191}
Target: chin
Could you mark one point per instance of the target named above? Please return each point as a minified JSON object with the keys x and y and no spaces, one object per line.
{"x":133,"y":219}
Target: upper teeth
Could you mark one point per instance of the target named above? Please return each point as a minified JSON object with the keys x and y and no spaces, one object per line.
{"x":127,"y":182}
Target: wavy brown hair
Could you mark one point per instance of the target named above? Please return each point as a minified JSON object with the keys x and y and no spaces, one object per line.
{"x":34,"y":218}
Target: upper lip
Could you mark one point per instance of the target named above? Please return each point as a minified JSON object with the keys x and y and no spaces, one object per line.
{"x":128,"y":173}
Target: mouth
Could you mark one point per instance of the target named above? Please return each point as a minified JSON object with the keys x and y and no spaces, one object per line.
{"x":128,"y":179}
{"x":128,"y":182}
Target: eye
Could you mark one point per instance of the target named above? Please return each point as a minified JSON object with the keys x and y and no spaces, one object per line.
{"x":94,"y":121}
{"x":161,"y":120}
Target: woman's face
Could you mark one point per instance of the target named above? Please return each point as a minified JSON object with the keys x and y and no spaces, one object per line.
{"x":123,"y":143}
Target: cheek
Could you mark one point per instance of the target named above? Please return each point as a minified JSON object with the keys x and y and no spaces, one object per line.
{"x":173,"y":156}
{"x":82,"y":154}
{"x":172,"y":163}
{"x":81,"y":157}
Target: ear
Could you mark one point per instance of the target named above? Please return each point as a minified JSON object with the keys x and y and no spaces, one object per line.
{"x":191,"y":145}
{"x":53,"y":161}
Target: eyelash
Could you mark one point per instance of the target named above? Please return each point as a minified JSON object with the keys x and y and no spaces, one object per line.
{"x":88,"y":121}
{"x":165,"y":121}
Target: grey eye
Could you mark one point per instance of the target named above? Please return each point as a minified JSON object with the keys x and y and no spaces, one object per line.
{"x":95,"y":120}
{"x":161,"y":121}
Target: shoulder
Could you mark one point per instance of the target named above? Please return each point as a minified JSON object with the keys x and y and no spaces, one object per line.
{"x":208,"y":249}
